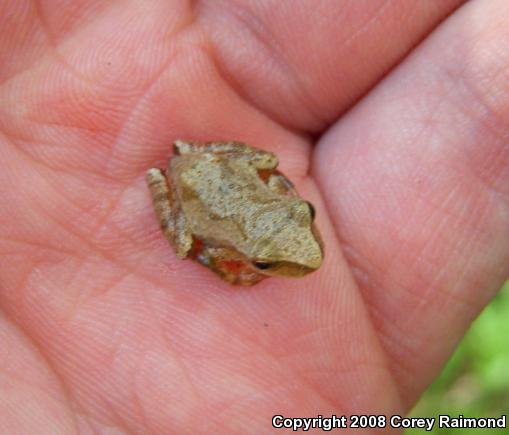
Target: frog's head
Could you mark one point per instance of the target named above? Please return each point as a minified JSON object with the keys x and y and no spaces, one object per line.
{"x":288,"y":243}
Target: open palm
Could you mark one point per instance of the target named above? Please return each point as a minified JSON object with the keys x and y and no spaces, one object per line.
{"x":103,"y":330}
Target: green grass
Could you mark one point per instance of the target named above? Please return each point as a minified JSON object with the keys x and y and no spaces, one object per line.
{"x":475,"y":381}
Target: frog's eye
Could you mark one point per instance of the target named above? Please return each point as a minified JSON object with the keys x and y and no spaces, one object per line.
{"x":262,"y":265}
{"x":311,"y":210}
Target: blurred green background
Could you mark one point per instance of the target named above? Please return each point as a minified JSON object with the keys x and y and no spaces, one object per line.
{"x":475,"y":381}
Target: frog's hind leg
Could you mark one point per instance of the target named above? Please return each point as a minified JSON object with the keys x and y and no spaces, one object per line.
{"x":229,"y":265}
{"x":171,"y":220}
{"x":181,"y":147}
{"x":235,"y":150}
{"x":281,"y":185}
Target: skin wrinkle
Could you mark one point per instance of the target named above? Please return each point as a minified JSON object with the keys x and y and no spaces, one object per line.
{"x":472,"y":91}
{"x":106,"y":401}
{"x":75,"y":13}
{"x":34,"y":245}
{"x":34,"y":265}
{"x":54,"y":47}
{"x":108,"y":161}
{"x":85,"y":387}
{"x":101,"y":220}
{"x":125,"y":425}
{"x":47,"y":213}
{"x":43,"y":24}
{"x":200,"y":400}
{"x":356,"y":259}
{"x":114,"y":355}
{"x":68,"y":170}
{"x":138,"y":102}
{"x":128,"y":267}
{"x":184,"y":368}
{"x":402,"y":367}
{"x":46,"y":392}
{"x":92,"y":130}
{"x":100,"y":224}
{"x":430,"y":120}
{"x":425,"y":292}
{"x":21,"y":145}
{"x":23,"y":281}
{"x":125,"y":266}
{"x":39,"y":63}
{"x":104,"y":222}
{"x":430,"y":241}
{"x":92,"y":423}
{"x":137,"y":401}
{"x":37,"y":268}
{"x":476,"y":116}
{"x":92,"y":292}
{"x":16,"y":71}
{"x":497,"y":192}
{"x":493,"y":121}
{"x":377,"y":14}
{"x":460,"y":218}
{"x":464,"y":220}
{"x":432,"y":289}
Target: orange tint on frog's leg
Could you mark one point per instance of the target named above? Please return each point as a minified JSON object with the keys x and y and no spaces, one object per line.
{"x":234,"y":266}
{"x":264,"y":174}
{"x":219,"y":260}
{"x":237,"y":272}
{"x":196,"y":248}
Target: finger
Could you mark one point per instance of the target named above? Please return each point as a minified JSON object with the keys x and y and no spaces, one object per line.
{"x":303,"y":63}
{"x":416,"y":178}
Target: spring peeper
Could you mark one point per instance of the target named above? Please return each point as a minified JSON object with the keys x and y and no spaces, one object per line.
{"x":225,"y":205}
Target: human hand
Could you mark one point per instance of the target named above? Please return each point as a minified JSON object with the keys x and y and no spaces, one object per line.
{"x":103,"y":330}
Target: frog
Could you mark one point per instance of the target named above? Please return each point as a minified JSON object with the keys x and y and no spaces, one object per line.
{"x":228,"y":207}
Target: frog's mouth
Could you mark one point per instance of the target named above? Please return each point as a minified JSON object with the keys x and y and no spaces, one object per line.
{"x":282,"y":268}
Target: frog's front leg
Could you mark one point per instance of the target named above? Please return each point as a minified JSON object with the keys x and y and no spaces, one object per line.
{"x":171,"y":219}
{"x":234,"y":150}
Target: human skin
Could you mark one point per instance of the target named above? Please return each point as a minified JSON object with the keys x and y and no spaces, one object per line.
{"x":391,"y":117}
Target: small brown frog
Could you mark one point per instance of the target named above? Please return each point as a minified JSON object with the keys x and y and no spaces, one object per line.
{"x":225,"y":205}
